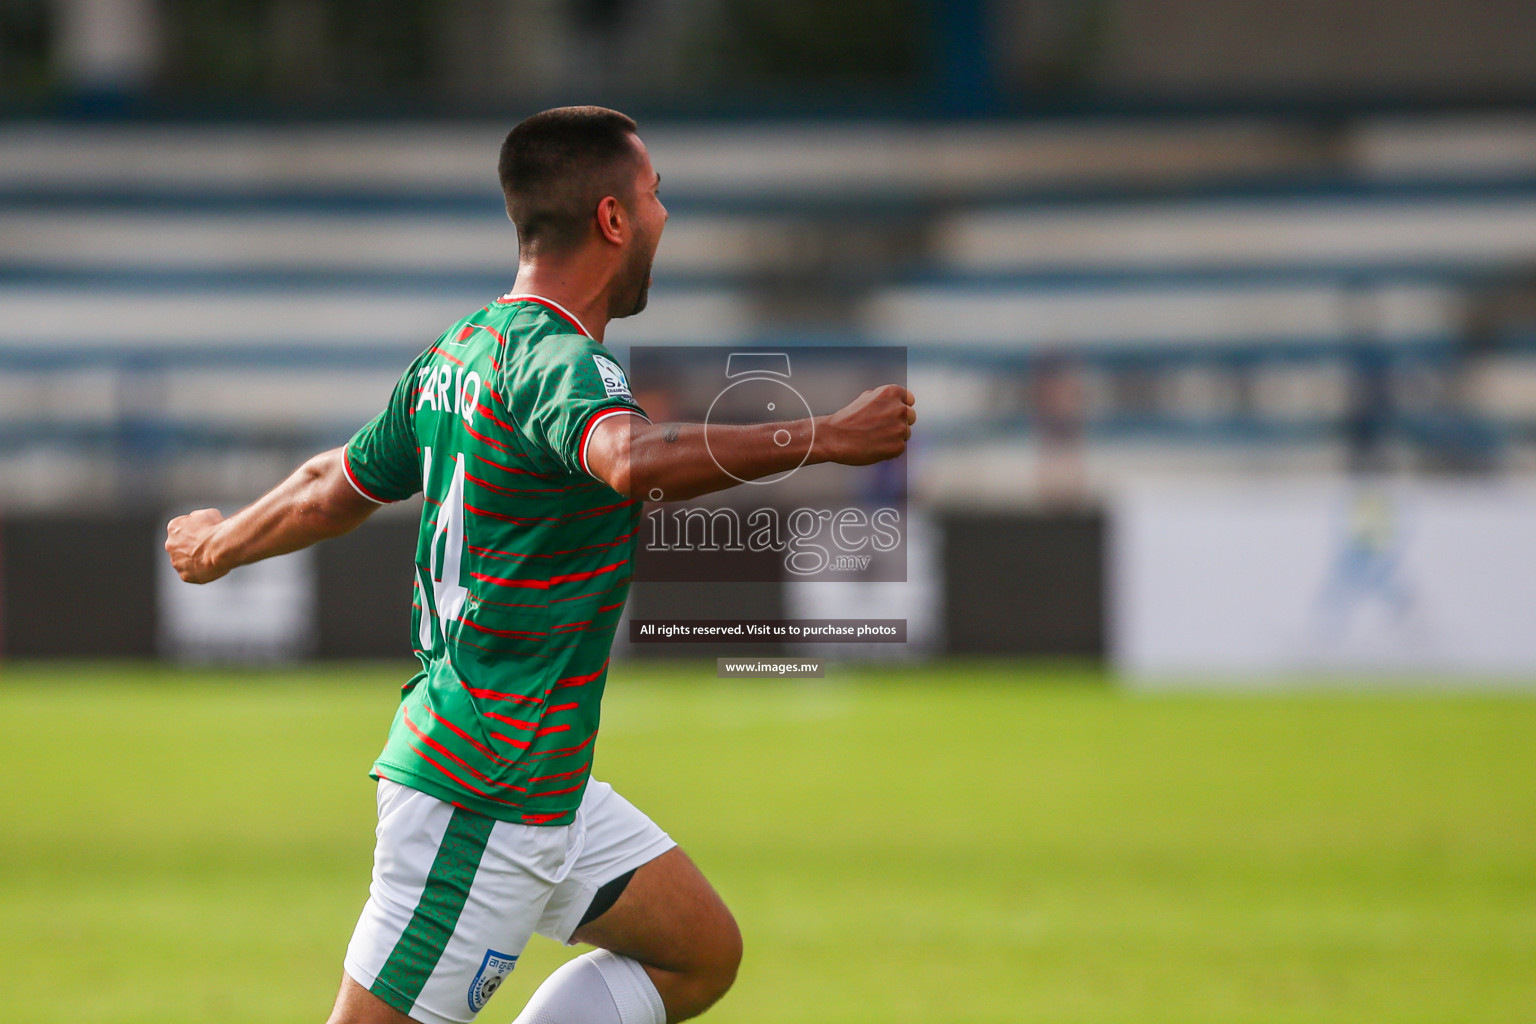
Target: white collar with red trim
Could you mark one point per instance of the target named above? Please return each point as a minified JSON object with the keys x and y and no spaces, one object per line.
{"x":551,"y":303}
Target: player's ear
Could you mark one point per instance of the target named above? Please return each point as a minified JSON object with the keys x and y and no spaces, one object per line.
{"x":611,"y":220}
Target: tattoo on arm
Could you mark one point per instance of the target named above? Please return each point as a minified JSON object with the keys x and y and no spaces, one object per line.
{"x":671,"y":434}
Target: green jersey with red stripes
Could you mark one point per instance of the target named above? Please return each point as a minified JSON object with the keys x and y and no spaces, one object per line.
{"x":523,"y":559}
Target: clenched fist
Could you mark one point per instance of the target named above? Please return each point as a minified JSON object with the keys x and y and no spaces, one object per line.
{"x":186,"y":539}
{"x":871,"y":428}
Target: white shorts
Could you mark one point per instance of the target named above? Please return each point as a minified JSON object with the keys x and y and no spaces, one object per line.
{"x":456,"y":895}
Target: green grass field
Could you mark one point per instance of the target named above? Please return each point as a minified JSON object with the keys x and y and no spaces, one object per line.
{"x":968,"y":843}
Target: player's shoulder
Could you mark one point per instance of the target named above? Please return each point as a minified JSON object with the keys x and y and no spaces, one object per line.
{"x":542,"y":342}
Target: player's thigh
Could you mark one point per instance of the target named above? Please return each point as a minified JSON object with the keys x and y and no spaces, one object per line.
{"x":669,"y":917}
{"x":356,"y":1005}
{"x":616,"y":839}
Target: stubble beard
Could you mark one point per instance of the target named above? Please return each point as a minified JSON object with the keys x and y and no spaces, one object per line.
{"x":644,"y":294}
{"x":638,"y":284}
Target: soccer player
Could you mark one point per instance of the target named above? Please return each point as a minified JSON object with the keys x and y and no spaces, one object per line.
{"x":534,"y":460}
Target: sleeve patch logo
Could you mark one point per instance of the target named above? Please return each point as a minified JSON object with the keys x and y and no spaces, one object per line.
{"x":493,"y":970}
{"x":613,"y":377}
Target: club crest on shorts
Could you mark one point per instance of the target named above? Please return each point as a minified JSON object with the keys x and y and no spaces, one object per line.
{"x":493,"y":970}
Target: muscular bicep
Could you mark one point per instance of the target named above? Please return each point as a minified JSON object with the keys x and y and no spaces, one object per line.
{"x":317,"y":501}
{"x":609,"y":450}
{"x":674,"y":461}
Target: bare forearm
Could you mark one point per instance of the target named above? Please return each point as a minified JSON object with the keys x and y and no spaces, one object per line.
{"x":313,"y":504}
{"x":295,"y":514}
{"x":674,"y":461}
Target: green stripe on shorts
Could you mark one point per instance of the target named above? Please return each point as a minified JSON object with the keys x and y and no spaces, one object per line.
{"x":421,"y":945}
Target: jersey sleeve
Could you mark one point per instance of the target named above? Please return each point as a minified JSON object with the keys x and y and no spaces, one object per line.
{"x":381,"y":460}
{"x":570,"y":384}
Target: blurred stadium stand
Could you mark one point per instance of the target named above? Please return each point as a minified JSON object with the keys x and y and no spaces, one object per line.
{"x":188,"y":308}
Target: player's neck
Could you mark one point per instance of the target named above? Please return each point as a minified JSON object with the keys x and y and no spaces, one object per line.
{"x":582,"y":293}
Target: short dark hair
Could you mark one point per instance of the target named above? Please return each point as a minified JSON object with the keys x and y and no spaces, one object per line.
{"x":555,"y":168}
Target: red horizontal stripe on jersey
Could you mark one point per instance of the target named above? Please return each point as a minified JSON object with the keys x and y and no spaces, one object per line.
{"x":502,"y":581}
{"x":539,"y":819}
{"x":503,"y":516}
{"x":582,"y":514}
{"x":503,"y":554}
{"x":573,"y":577}
{"x":477,"y":773}
{"x":581,"y":680}
{"x":513,"y":491}
{"x":461,"y":734}
{"x":529,"y":494}
{"x":434,"y":350}
{"x":572,"y":627}
{"x":508,"y":604}
{"x":590,"y":513}
{"x":611,"y":607}
{"x":488,"y":440}
{"x":562,"y":775}
{"x":500,"y":800}
{"x":423,"y":755}
{"x":486,"y":410}
{"x":605,"y":544}
{"x":499,"y":652}
{"x":579,"y":597}
{"x":519,"y":744}
{"x":557,"y":792}
{"x":564,"y":751}
{"x":516,"y":698}
{"x":532,"y":493}
{"x":429,"y":741}
{"x":510,"y":469}
{"x":515,"y":634}
{"x":497,"y":553}
{"x":551,"y":728}
{"x":516,"y":723}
